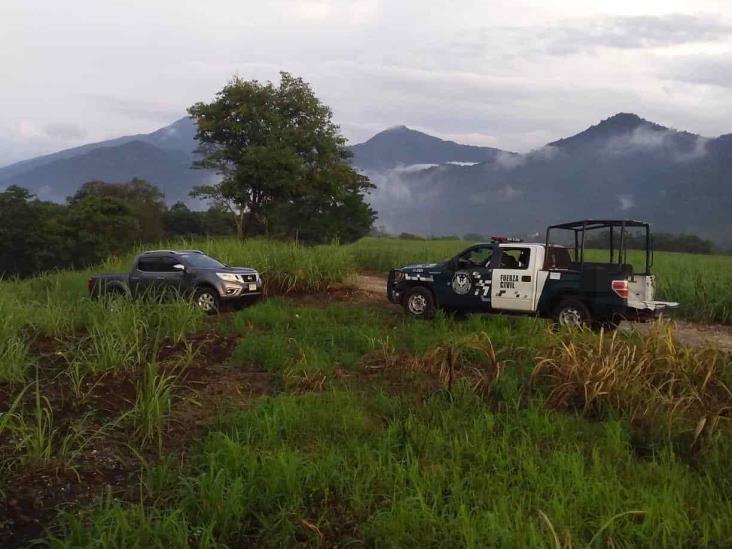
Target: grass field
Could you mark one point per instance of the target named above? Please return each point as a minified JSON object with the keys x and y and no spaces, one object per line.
{"x":327,"y":420}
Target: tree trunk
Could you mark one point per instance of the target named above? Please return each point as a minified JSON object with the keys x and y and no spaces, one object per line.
{"x":239,"y":220}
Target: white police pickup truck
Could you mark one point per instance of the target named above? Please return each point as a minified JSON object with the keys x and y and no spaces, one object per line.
{"x":549,"y":280}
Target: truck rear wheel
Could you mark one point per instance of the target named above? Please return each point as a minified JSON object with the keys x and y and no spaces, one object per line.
{"x":572,"y":312}
{"x":419,"y":303}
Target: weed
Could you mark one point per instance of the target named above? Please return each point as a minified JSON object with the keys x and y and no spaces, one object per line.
{"x":37,"y":442}
{"x":14,"y":352}
{"x":152,"y":404}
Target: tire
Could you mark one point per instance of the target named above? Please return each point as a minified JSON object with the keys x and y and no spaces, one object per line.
{"x":572,"y":312}
{"x":207,"y":300}
{"x":419,"y":303}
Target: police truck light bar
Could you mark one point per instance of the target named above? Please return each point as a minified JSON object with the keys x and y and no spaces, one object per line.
{"x":505,"y":239}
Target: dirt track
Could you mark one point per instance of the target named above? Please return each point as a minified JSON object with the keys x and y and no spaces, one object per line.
{"x":688,"y":333}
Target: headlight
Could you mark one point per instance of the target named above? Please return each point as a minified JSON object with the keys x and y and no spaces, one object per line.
{"x":398,"y":276}
{"x":230,"y":277}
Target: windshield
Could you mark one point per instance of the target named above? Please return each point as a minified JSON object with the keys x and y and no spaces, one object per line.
{"x":201,"y":261}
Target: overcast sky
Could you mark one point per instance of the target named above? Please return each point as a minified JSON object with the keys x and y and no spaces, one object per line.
{"x":508,"y":73}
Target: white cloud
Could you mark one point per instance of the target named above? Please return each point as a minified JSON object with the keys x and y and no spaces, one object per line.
{"x":680,"y":147}
{"x":626,"y":202}
{"x":411,"y":168}
{"x":473,"y":72}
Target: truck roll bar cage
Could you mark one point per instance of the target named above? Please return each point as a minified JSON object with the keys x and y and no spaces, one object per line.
{"x":580,"y":228}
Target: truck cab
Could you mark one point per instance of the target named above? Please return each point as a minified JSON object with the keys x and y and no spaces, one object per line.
{"x":555,"y":279}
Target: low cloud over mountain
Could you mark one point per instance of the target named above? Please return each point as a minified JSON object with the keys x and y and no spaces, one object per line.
{"x":624,"y":166}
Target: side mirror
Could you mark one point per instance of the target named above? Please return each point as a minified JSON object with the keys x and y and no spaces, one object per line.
{"x":179,"y":267}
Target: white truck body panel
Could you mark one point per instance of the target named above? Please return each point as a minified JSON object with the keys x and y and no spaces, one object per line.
{"x":516,"y":289}
{"x":642,"y":294}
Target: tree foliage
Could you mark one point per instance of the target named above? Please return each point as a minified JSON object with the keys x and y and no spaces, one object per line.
{"x":101,"y":219}
{"x":31,"y":234}
{"x":284,"y":165}
{"x":145,"y":201}
{"x":180,"y":220}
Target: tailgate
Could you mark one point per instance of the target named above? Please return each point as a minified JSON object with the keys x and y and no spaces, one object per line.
{"x":652,"y":305}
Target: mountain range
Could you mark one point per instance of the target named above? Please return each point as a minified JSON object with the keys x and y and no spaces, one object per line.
{"x":624,"y":166}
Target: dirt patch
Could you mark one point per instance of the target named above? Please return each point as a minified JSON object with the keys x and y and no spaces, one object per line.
{"x":715,"y":336}
{"x":361,"y":289}
{"x":205,"y":390}
{"x":33,"y":496}
{"x":371,"y":284}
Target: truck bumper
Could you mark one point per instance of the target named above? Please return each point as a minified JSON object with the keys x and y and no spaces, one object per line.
{"x":393,"y":293}
{"x":644,"y":311}
{"x":241,"y":301}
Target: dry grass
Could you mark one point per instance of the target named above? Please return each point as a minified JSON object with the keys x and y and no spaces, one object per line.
{"x":471,"y":359}
{"x":652,"y":380}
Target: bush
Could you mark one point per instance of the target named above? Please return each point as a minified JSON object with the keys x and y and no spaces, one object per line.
{"x":653,"y":381}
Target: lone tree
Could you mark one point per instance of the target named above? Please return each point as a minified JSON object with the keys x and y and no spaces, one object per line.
{"x":283,"y":162}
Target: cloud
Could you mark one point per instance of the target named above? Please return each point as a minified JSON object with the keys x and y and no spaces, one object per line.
{"x":507,"y":193}
{"x":411,"y":168}
{"x":142,"y":109}
{"x":636,"y":32}
{"x":626,"y":202}
{"x":64,"y":130}
{"x":515,"y":83}
{"x":679,"y":146}
{"x":510,"y":161}
{"x":714,"y":70}
{"x":341,"y":11}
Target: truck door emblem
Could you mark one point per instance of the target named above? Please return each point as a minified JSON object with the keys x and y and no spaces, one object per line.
{"x":461,"y":283}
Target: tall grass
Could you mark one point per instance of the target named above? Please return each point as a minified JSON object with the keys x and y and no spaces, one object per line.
{"x":286,"y":267}
{"x":152,"y":405}
{"x":14,"y":351}
{"x":280,"y":336}
{"x":383,"y":254}
{"x":32,"y":438}
{"x":347,"y":456}
{"x":340,"y":469}
{"x":653,"y":379}
{"x":53,"y":303}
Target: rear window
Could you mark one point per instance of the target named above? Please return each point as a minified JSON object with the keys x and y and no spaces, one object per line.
{"x":558,"y":258}
{"x":157,"y":264}
{"x":515,"y":258}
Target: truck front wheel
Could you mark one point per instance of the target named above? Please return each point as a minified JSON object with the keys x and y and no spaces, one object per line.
{"x":207,"y":300}
{"x":572,"y":312}
{"x":419,"y":303}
